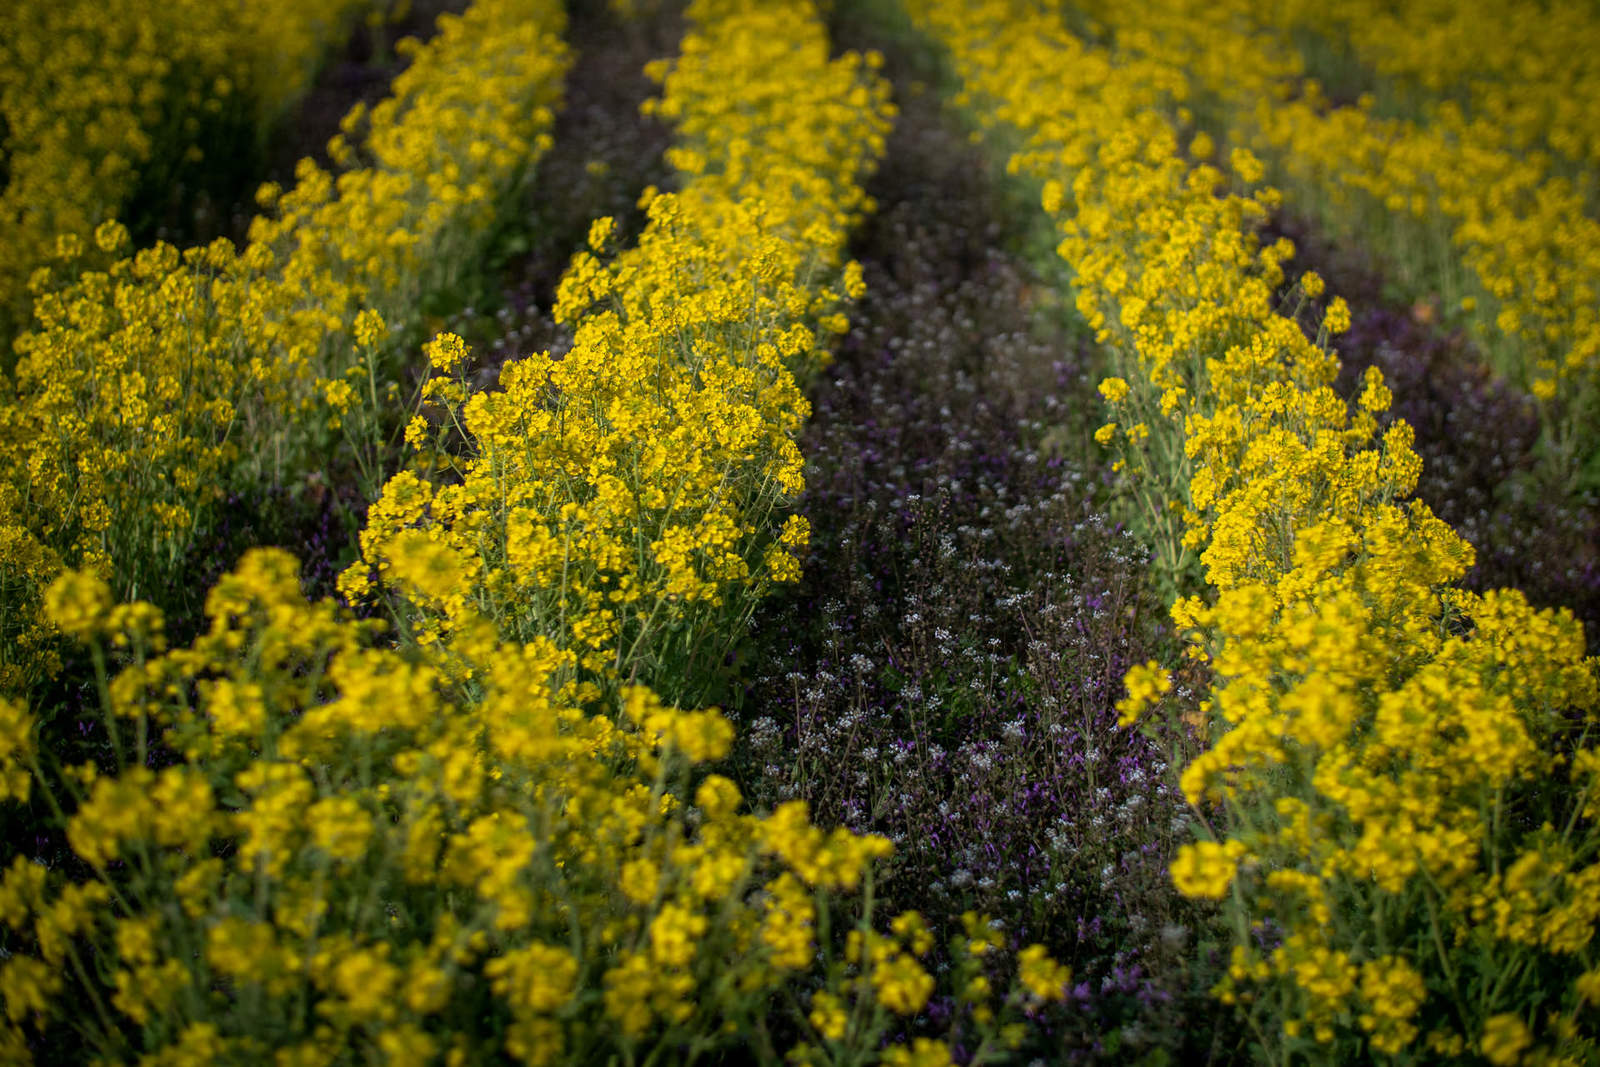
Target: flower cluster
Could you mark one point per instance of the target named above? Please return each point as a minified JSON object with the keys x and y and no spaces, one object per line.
{"x":1402,"y":772}
{"x":145,"y":391}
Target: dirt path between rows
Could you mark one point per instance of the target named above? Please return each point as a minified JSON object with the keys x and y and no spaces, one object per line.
{"x":945,"y":672}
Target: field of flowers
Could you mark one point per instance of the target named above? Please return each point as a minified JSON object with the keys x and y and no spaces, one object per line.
{"x":771,"y":531}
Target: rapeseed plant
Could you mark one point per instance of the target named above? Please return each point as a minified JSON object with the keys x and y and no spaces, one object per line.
{"x":1396,"y":762}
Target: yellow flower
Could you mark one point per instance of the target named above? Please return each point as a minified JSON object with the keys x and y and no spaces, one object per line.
{"x":910,"y":928}
{"x":1246,"y":165}
{"x":717,"y":797}
{"x":854,"y":281}
{"x":534,"y":978}
{"x":1053,"y":196}
{"x":1337,"y":318}
{"x":1115,"y":390}
{"x":408,"y":1045}
{"x":1375,"y":395}
{"x":828,"y":1015}
{"x":77,"y":603}
{"x":1205,"y":869}
{"x":1042,"y":976}
{"x":1505,"y":1036}
{"x":628,"y":994}
{"x":340,"y":826}
{"x":17,"y":748}
{"x":366,"y":982}
{"x":445,"y":353}
{"x":1146,"y":683}
{"x":600,"y":231}
{"x":982,"y":934}
{"x":640,"y":880}
{"x":924,"y":1052}
{"x":368,"y":328}
{"x":674,"y":934}
{"x":901,"y":984}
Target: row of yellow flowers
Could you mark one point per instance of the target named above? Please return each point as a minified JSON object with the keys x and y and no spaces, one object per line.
{"x":1474,"y":187}
{"x":145,"y":391}
{"x":1526,"y":69}
{"x":1402,"y":787}
{"x":492,"y":841}
{"x":94,"y":96}
{"x":1520,"y":72}
{"x":622,"y":500}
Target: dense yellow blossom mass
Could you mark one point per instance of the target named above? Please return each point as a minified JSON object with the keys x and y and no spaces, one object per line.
{"x":481,"y":816}
{"x":95,"y":97}
{"x":1469,"y":161}
{"x":623,"y":500}
{"x":145,"y":390}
